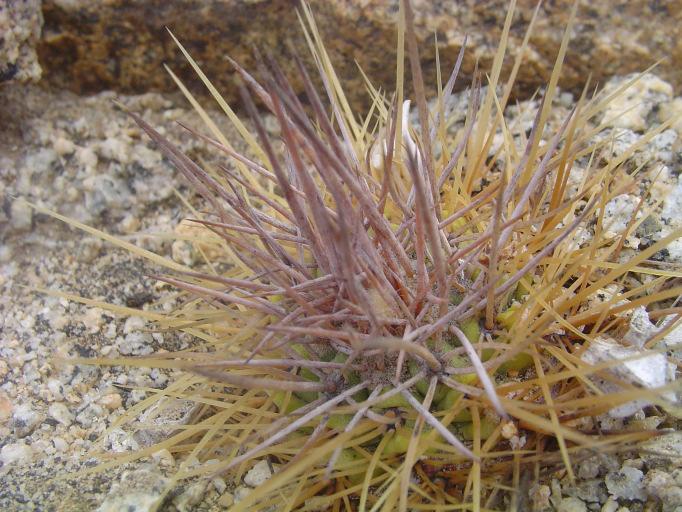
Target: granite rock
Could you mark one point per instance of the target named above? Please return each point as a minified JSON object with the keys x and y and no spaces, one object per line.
{"x":20,"y":26}
{"x":137,"y":491}
{"x":626,"y":484}
{"x":86,"y":158}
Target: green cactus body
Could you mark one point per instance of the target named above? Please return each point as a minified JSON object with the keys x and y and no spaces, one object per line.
{"x":339,"y":421}
{"x":400,"y":442}
{"x":394,"y":401}
{"x":449,"y":401}
{"x":350,"y":457}
{"x":352,"y":377}
{"x":517,"y":363}
{"x":423,"y":385}
{"x":508,"y":319}
{"x":284,"y":405}
{"x":466,"y":430}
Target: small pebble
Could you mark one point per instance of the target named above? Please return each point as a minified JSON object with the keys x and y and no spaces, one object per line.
{"x":671,"y":498}
{"x":677,"y":476}
{"x":60,"y":444}
{"x":63,"y":146}
{"x":219,"y":485}
{"x":226,"y":500}
{"x":5,"y":408}
{"x":136,"y":344}
{"x":589,"y":468}
{"x":25,"y":420}
{"x":241,"y":493}
{"x":656,"y":481}
{"x":509,"y":430}
{"x":61,"y":413}
{"x":21,"y":215}
{"x":258,"y":474}
{"x":134,"y":324}
{"x":93,"y":320}
{"x":164,"y":458}
{"x":56,"y":388}
{"x":16,"y":453}
{"x":129,"y":224}
{"x":86,"y":157}
{"x":572,"y":505}
{"x":111,"y":401}
{"x":626,"y":484}
{"x":191,"y":497}
{"x":663,"y":450}
{"x":539,"y":495}
{"x":137,"y":491}
{"x":119,"y":441}
{"x":611,"y":505}
{"x":115,"y":149}
{"x":168,"y":413}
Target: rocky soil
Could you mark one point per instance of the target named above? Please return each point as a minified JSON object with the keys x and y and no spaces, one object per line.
{"x":82,"y":156}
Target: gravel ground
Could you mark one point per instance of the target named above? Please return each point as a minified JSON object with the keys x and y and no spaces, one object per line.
{"x":85,"y":158}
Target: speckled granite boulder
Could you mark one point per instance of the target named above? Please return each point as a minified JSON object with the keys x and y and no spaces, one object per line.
{"x":86,"y":156}
{"x":20,"y":24}
{"x":89,"y":46}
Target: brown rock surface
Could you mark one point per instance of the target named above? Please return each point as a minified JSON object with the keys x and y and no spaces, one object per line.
{"x":89,"y":46}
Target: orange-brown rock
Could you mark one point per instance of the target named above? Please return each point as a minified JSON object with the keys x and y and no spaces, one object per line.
{"x":121,"y":44}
